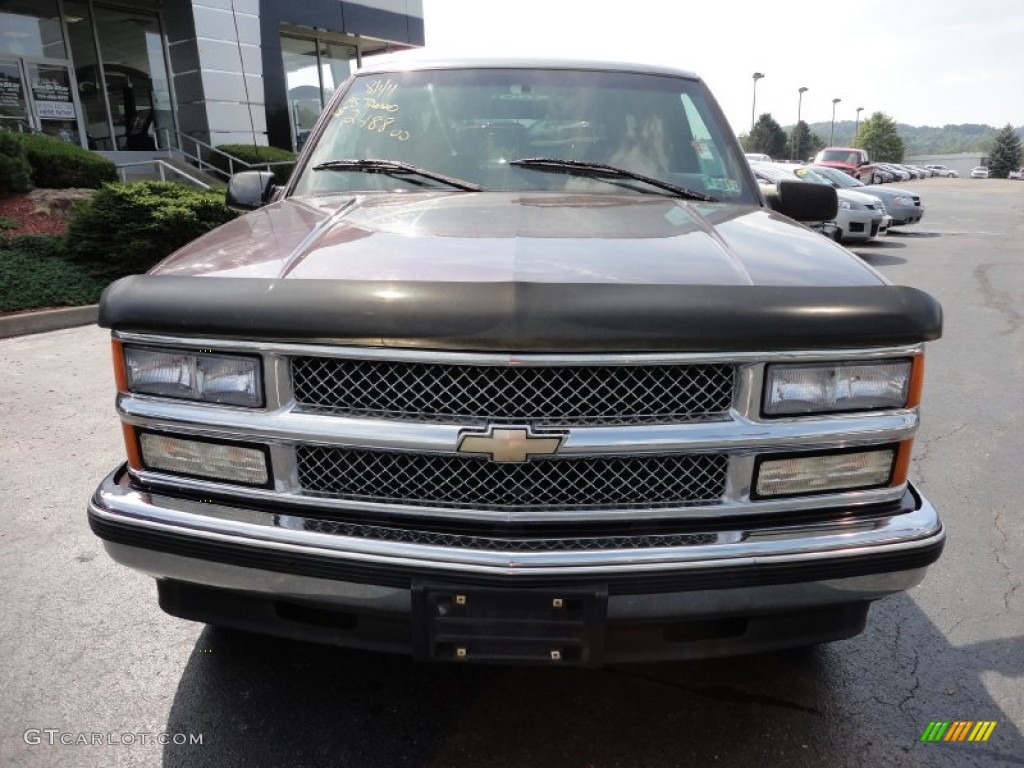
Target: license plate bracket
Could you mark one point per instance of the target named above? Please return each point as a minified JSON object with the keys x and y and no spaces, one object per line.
{"x":557,"y":627}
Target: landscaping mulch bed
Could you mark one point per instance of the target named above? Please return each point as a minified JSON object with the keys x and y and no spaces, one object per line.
{"x":42,"y":211}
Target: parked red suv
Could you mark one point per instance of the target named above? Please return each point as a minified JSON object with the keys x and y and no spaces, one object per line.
{"x":850,"y":160}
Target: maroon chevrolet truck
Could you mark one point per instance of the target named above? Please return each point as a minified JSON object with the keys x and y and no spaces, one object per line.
{"x":849,"y":160}
{"x":521,"y":366}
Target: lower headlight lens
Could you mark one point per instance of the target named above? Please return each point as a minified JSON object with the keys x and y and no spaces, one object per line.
{"x":847,"y":471}
{"x":211,"y":378}
{"x":834,"y":387}
{"x":199,"y":458}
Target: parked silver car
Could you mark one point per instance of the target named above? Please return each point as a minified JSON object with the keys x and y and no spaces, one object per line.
{"x":860,"y":217}
{"x":904,"y":207}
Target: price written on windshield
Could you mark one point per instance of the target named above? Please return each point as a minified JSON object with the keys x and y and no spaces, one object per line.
{"x":373,"y":112}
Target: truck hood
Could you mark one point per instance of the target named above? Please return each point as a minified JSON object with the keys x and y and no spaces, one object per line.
{"x":540,"y":237}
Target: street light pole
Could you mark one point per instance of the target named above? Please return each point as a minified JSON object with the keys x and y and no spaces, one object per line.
{"x":753,"y":107}
{"x":856,"y":123}
{"x":799,"y":104}
{"x":832,"y":134}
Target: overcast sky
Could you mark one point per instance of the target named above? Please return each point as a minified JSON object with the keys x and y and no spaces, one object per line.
{"x":922,"y":62}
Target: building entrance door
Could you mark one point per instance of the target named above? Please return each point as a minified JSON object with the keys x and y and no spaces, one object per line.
{"x":14,"y":114}
{"x":39,"y":96}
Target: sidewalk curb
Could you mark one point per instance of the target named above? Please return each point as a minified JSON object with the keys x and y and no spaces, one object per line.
{"x":47,"y":320}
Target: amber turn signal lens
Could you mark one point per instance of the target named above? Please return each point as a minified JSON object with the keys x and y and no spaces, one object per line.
{"x":916,"y":382}
{"x":120,"y":378}
{"x":131,"y":446}
{"x":902,"y":466}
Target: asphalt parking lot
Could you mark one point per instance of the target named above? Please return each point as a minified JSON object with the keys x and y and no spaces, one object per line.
{"x":86,"y":650}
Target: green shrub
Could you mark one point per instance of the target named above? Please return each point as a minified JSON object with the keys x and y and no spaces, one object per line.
{"x":127,"y":228}
{"x":15,"y":171}
{"x":57,"y":164}
{"x":255,"y":155}
{"x":35,"y":274}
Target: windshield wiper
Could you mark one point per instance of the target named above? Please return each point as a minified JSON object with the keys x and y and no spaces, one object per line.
{"x":608,"y":172}
{"x":395,"y":168}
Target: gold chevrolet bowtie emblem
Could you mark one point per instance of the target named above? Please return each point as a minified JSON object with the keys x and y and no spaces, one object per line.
{"x":510,"y":444}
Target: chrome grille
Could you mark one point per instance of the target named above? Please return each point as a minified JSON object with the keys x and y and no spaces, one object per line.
{"x":470,"y":482}
{"x":537,"y":395}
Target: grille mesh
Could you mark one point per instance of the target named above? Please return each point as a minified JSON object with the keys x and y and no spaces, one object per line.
{"x":464,"y":482}
{"x":499,"y":544}
{"x":542,"y":396}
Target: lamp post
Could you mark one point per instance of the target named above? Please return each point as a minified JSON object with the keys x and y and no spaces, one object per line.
{"x":753,"y":107}
{"x":799,"y":104}
{"x":856,"y":123}
{"x":832,"y":133}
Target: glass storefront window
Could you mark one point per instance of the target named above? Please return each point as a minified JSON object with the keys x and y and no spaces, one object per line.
{"x":335,"y":66}
{"x":313,"y":69}
{"x":133,"y":80}
{"x":137,"y":84}
{"x":302,"y":79}
{"x":87,"y":71}
{"x":31,"y":28}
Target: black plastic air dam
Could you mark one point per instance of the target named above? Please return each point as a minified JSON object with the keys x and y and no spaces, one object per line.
{"x":524,"y":317}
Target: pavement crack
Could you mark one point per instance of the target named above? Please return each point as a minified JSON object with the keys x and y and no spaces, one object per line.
{"x":1000,"y":552}
{"x":999,"y":300}
{"x":912,"y":693}
{"x":722,"y":693}
{"x":922,"y":448}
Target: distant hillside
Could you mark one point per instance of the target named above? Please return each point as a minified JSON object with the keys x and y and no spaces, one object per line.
{"x":923,"y":139}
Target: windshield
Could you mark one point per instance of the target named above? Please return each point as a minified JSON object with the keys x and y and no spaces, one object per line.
{"x":839,"y":156}
{"x":806,"y":174}
{"x":471,"y":124}
{"x":838,"y":178}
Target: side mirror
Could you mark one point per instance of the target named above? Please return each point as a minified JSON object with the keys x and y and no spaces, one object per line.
{"x":804,"y":201}
{"x":250,"y":190}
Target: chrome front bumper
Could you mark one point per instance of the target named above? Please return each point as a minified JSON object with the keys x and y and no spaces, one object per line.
{"x":202,"y":543}
{"x":714,"y":594}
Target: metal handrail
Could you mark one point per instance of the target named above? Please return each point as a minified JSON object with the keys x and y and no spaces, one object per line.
{"x":205,"y":165}
{"x":162,"y":168}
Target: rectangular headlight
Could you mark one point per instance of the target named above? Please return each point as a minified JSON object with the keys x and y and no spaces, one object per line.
{"x":836,"y":387}
{"x":202,"y":376}
{"x":824,"y":473}
{"x":201,"y":458}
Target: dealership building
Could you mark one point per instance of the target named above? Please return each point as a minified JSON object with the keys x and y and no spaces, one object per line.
{"x":142,"y":77}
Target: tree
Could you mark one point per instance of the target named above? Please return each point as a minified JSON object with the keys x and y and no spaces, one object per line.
{"x":1006,"y":153}
{"x":803,"y":143}
{"x":798,"y":141}
{"x":879,"y":137}
{"x":814,"y":144}
{"x":767,"y":137}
